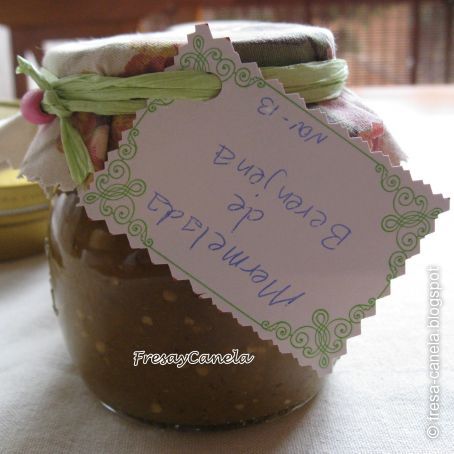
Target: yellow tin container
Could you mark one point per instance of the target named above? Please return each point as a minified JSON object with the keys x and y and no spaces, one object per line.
{"x":23,"y":210}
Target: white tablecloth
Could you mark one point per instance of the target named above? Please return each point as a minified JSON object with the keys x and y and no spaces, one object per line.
{"x":376,"y":401}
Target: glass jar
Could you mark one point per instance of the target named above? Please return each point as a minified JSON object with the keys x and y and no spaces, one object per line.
{"x":111,"y":301}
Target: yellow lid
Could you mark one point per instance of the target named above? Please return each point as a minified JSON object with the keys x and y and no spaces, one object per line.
{"x":23,"y":216}
{"x":19,"y":194}
{"x":9,"y":177}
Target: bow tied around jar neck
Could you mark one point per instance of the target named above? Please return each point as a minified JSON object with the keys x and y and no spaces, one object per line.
{"x":107,"y":95}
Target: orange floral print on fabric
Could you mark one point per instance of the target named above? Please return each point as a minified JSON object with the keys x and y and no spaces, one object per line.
{"x":145,"y":61}
{"x":148,"y":62}
{"x":119,"y":124}
{"x":94,"y":130}
{"x":102,"y":133}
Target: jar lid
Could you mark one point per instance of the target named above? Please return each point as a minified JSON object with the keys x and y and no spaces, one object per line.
{"x":23,"y":216}
{"x":18,"y":196}
{"x":98,"y":129}
{"x":266,"y":43}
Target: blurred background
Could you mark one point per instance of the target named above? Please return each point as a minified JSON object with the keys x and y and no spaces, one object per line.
{"x":388,"y":42}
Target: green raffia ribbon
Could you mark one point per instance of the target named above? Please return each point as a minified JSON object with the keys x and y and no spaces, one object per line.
{"x":105,"y":95}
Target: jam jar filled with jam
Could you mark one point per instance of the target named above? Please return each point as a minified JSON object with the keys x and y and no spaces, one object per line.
{"x":111,"y":301}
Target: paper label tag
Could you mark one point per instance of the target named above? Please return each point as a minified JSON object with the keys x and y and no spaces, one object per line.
{"x":279,"y":217}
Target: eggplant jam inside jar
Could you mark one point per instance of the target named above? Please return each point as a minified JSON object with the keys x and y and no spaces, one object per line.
{"x":111,"y":301}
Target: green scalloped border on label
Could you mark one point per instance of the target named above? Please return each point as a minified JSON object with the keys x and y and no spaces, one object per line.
{"x":324,"y":337}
